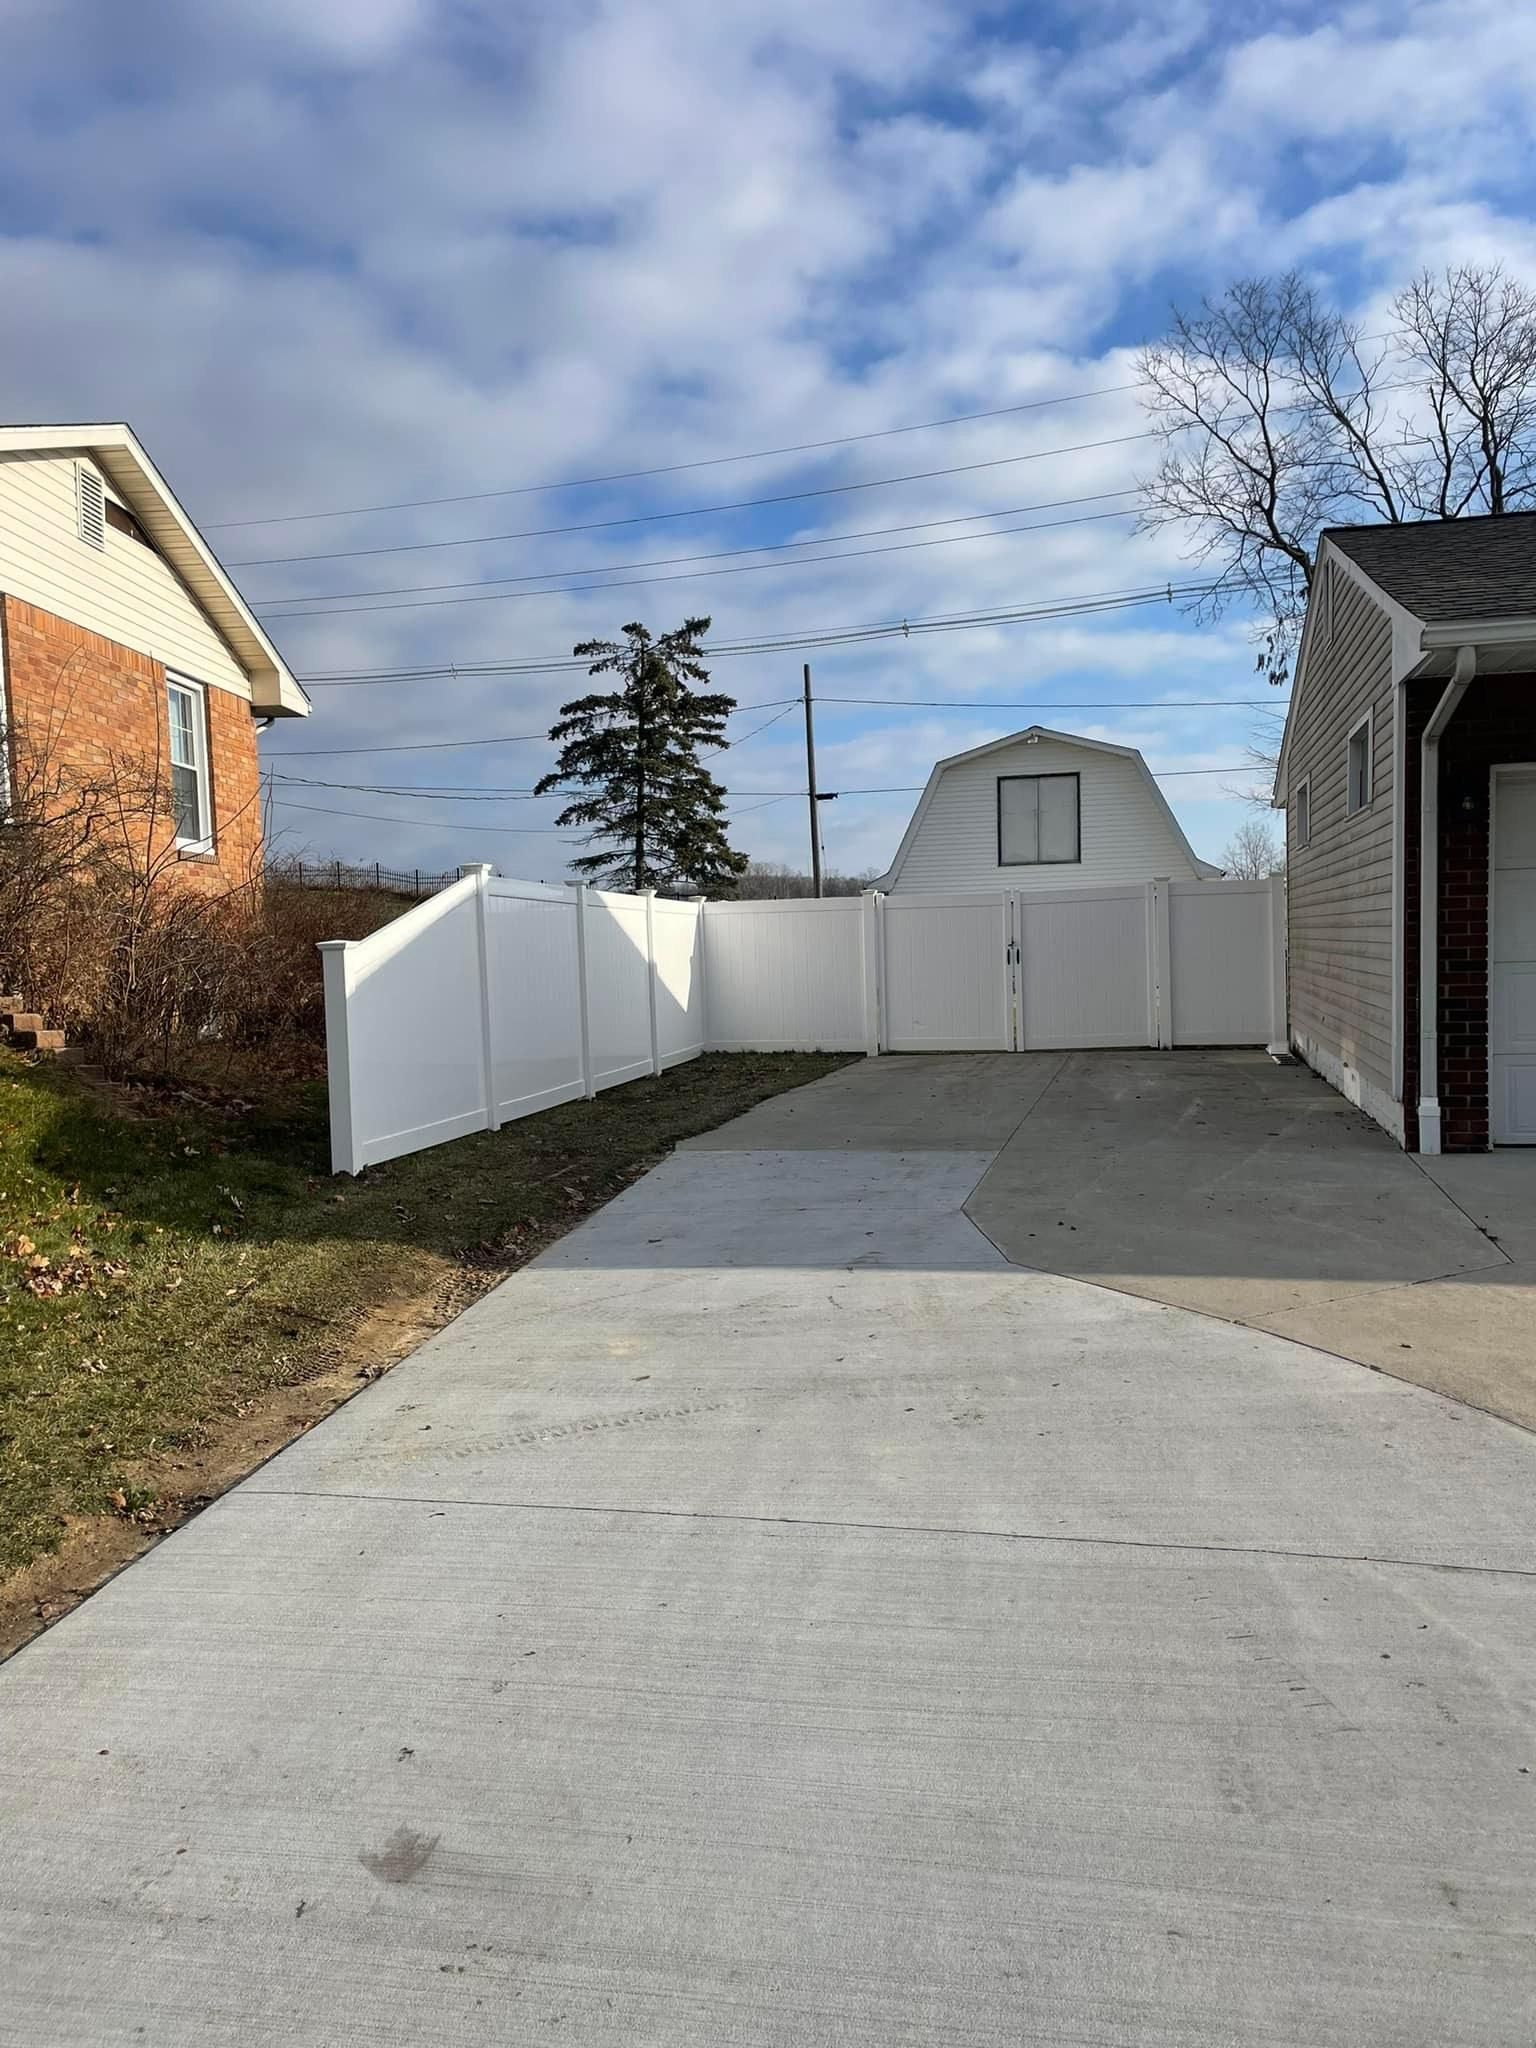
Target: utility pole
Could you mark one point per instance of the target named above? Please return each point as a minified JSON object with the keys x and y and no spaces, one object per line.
{"x":810,"y":784}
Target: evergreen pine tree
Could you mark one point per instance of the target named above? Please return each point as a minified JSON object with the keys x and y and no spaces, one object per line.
{"x":654,"y":814}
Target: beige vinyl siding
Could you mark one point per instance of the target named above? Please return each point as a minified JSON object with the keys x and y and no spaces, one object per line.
{"x":1340,"y":883}
{"x":123,"y":590}
{"x":1125,"y":835}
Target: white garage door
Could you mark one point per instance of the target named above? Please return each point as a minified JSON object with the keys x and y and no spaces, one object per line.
{"x":1512,"y":960}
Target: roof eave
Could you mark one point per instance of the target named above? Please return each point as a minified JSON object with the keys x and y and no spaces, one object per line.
{"x":275,"y":692}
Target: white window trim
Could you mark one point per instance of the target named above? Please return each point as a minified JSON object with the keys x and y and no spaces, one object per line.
{"x":1073,"y":775}
{"x":1367,"y":725}
{"x":1303,"y":795}
{"x":202,"y":842}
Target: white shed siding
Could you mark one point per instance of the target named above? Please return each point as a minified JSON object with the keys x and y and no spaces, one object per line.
{"x":123,"y":590}
{"x":1125,"y":834}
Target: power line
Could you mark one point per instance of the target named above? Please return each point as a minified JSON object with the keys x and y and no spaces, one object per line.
{"x":1152,"y":706}
{"x":621,"y":476}
{"x":487,"y":583}
{"x":760,"y":642}
{"x":504,"y":739}
{"x":625,"y":476}
{"x":413,"y":547}
{"x":1041,"y":704}
{"x":830,"y":637}
{"x":903,"y":547}
{"x":377,"y":818}
{"x":466,"y":793}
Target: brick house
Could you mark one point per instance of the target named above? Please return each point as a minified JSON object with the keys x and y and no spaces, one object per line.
{"x":1408,"y":778}
{"x":125,"y":649}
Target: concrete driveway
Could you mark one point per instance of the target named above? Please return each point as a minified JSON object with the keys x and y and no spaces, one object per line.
{"x":773,"y":1618}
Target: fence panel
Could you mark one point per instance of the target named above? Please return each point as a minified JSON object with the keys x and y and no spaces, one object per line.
{"x":1219,"y":944}
{"x":618,"y":988}
{"x":787,"y":975}
{"x":677,"y":942}
{"x":533,"y":975}
{"x":1083,"y":968}
{"x":945,"y":973}
{"x":404,"y":1031}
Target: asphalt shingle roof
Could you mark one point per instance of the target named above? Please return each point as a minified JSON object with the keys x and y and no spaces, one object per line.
{"x":1450,"y":568}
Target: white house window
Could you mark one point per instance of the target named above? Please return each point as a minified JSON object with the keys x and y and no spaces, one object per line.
{"x":193,"y":813}
{"x":1037,"y":820}
{"x":1301,"y":829}
{"x":1359,"y":767}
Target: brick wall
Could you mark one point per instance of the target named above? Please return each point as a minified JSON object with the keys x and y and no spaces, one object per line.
{"x":94,"y":707}
{"x":1495,"y":722}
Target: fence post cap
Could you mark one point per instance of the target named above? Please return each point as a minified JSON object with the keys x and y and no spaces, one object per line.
{"x":334,"y":945}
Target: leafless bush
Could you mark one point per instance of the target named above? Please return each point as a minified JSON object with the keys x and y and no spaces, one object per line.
{"x":102,"y":928}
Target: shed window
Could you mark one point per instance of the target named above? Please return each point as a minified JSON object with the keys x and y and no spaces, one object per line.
{"x":1037,"y":820}
{"x":1359,"y":767}
{"x":1301,"y":829}
{"x":188,"y":709}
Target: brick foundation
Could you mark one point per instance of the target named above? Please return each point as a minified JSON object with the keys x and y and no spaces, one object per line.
{"x":94,"y":708}
{"x":1495,"y":722}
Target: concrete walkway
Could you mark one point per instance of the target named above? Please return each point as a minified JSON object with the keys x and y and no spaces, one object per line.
{"x":773,"y":1620}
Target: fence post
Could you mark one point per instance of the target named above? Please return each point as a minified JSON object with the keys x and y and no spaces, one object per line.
{"x":346,"y":1155}
{"x":588,"y":1084}
{"x":482,"y":876}
{"x":650,"y":964}
{"x":869,"y":957}
{"x":1159,"y":965}
{"x":700,"y":903}
{"x":1279,"y":994}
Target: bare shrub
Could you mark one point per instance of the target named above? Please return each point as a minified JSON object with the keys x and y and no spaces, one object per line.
{"x":103,"y":929}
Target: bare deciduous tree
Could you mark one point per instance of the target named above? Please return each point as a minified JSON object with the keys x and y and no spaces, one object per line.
{"x":1253,"y":852}
{"x":1279,"y":416}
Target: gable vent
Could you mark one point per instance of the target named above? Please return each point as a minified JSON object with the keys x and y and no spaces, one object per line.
{"x":90,"y":506}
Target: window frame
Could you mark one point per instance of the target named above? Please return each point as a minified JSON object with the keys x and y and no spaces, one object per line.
{"x":1366,"y":725}
{"x":1303,"y":799}
{"x":203,"y":841}
{"x":1072,"y":775}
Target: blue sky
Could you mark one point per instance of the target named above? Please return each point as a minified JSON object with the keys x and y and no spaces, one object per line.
{"x":336,"y":253}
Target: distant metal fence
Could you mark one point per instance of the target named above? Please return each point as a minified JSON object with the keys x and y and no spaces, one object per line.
{"x":340,"y":874}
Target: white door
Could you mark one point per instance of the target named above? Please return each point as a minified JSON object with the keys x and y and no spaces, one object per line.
{"x":1512,"y":960}
{"x":947,"y":973}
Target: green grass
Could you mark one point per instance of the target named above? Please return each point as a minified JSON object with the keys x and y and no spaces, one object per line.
{"x":160,"y":1273}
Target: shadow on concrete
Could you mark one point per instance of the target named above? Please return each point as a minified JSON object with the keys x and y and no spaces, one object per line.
{"x":1215,"y":1180}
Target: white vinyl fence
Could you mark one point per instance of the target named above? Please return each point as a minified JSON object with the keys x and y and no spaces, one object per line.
{"x":497,"y":998}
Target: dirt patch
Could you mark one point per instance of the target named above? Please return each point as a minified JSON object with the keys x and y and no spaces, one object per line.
{"x":184,"y":1290}
{"x":95,"y":1547}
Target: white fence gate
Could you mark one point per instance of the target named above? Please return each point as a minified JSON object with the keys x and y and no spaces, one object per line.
{"x":498,"y":998}
{"x":1154,"y":964}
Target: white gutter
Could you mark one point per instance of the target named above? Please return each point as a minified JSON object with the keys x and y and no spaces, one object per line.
{"x":1429,"y":897}
{"x":1459,"y":633}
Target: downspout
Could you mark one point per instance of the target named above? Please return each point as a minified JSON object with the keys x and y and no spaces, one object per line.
{"x":1429,"y":898}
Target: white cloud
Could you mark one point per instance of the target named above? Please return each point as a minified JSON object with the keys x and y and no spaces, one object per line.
{"x":375,"y":250}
